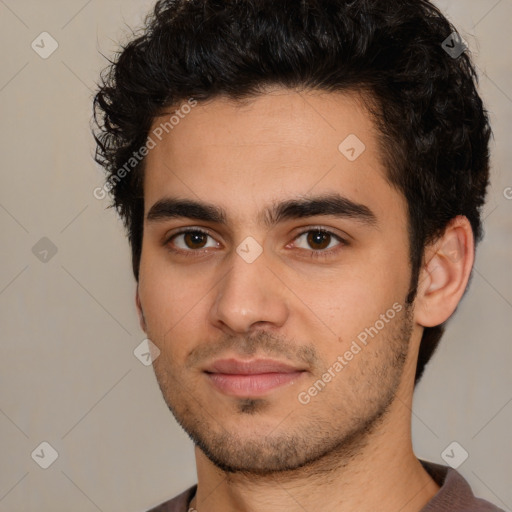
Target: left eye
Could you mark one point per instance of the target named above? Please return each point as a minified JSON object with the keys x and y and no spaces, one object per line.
{"x":317,"y":239}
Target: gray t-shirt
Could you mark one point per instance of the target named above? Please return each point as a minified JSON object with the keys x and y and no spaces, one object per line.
{"x":454,"y":494}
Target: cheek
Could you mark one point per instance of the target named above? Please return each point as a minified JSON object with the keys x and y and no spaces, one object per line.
{"x":173,"y":301}
{"x":354,"y":297}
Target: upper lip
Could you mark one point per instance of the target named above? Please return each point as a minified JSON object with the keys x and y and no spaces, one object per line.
{"x":250,"y":367}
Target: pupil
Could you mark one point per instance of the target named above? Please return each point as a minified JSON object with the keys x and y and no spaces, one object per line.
{"x":195,"y":239}
{"x":319,"y":238}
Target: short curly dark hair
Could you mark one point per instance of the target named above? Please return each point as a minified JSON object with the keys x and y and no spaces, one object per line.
{"x":434,"y":132}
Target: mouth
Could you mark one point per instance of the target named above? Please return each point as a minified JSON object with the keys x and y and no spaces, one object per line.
{"x":251,"y":378}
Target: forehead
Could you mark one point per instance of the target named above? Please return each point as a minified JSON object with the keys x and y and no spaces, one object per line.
{"x":277,"y":145}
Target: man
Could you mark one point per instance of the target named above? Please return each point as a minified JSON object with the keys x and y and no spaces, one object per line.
{"x":301,"y":183}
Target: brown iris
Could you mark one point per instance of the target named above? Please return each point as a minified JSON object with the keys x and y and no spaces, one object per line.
{"x":318,"y":239}
{"x":195,"y":239}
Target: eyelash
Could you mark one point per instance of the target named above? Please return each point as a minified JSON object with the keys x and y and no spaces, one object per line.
{"x":314,"y":254}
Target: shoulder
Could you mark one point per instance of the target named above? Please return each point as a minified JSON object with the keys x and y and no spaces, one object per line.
{"x":455,"y":494}
{"x":178,"y":503}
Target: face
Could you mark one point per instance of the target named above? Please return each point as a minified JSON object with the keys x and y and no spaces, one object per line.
{"x":273,"y":278}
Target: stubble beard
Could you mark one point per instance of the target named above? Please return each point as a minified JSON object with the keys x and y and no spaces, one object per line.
{"x":312,"y":438}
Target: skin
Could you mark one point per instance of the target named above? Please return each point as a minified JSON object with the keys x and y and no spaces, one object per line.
{"x":199,"y":301}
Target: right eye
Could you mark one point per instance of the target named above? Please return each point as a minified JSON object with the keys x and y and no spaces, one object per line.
{"x":190,"y":240}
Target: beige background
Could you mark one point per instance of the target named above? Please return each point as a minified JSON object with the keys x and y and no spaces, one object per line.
{"x":68,"y":375}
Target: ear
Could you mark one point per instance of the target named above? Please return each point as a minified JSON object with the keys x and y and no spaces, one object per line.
{"x":142,"y":320}
{"x":445,"y":273}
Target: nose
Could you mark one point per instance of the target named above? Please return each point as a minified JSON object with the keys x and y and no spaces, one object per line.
{"x":249,"y":295}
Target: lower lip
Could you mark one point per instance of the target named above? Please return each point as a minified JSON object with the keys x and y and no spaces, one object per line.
{"x":251,"y":385}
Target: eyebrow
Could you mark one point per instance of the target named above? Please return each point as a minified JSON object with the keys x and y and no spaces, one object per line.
{"x":326,"y":205}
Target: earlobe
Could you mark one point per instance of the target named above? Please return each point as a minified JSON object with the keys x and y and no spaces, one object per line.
{"x":445,"y":274}
{"x":140,"y":311}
